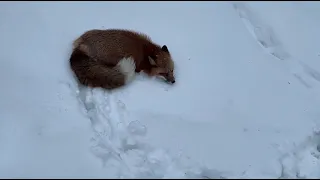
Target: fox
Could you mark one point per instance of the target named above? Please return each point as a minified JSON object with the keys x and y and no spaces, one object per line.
{"x":110,"y":58}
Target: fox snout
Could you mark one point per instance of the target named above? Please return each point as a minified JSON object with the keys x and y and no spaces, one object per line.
{"x":170,"y":78}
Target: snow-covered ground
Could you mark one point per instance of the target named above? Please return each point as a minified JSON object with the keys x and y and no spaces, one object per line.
{"x":245,"y":103}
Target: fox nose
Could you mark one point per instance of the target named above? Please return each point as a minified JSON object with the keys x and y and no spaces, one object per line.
{"x":173,"y":81}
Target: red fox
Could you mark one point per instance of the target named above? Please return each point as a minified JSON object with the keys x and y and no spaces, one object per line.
{"x":109,"y":58}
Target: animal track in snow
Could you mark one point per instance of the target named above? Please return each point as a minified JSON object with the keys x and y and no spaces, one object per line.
{"x":260,"y":31}
{"x":117,"y":144}
{"x":304,"y":160}
{"x":267,"y":39}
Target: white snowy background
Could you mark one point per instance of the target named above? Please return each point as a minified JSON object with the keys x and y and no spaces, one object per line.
{"x":245,"y":103}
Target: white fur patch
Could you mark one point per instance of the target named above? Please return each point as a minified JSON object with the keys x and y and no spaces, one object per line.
{"x":127,"y":66}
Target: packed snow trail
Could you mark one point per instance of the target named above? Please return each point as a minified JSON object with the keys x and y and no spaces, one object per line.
{"x":118,"y":142}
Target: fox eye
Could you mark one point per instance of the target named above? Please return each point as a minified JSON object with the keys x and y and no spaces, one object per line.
{"x":154,"y":57}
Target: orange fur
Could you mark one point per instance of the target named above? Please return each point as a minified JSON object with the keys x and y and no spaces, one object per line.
{"x":103,"y":49}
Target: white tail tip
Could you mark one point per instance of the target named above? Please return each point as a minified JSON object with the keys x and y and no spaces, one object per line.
{"x":127,"y":66}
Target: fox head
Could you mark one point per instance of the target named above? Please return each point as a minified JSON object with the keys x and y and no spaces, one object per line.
{"x":164,"y":65}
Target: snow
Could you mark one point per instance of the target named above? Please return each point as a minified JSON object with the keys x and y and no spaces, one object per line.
{"x":244,"y":105}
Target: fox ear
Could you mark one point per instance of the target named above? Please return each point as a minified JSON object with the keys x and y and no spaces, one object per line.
{"x":164,"y":48}
{"x":152,"y":61}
